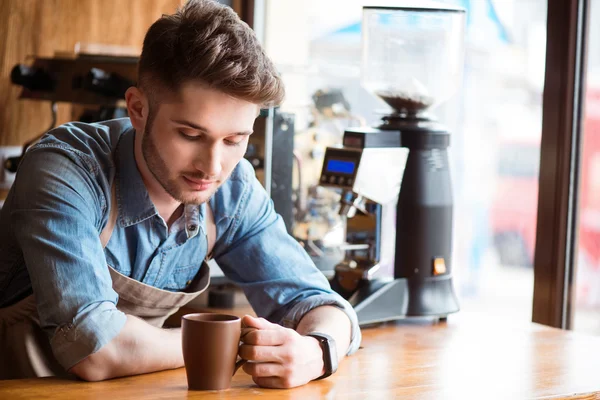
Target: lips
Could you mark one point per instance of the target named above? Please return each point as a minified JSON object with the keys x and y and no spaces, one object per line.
{"x":198,"y":184}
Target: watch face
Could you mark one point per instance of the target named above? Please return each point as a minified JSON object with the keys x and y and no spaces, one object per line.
{"x":333,"y":360}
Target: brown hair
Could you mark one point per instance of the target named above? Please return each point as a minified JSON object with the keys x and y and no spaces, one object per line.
{"x":206,"y":42}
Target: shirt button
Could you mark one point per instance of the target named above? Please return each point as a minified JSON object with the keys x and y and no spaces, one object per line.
{"x":192,"y":228}
{"x":188,"y":283}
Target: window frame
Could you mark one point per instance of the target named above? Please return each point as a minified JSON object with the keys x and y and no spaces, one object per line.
{"x":560,"y":158}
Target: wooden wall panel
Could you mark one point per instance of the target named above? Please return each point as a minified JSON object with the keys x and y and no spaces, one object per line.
{"x":41,"y":27}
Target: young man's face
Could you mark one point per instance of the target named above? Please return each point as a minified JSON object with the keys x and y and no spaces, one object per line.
{"x":192,"y":145}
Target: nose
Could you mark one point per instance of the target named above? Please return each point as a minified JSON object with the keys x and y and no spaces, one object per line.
{"x":209,"y":162}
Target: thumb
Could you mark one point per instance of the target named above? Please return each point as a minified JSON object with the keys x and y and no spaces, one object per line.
{"x":249,"y":321}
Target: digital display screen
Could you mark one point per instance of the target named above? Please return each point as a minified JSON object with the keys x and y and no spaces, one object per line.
{"x":340,"y":167}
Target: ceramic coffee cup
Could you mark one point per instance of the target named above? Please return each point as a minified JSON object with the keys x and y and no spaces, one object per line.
{"x":210,"y":347}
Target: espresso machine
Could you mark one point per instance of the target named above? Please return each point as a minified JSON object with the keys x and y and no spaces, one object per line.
{"x":412,"y":58}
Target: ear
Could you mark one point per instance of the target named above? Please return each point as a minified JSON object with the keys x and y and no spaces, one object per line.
{"x":137,"y":107}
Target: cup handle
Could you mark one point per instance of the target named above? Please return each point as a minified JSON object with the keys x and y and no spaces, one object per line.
{"x":238,"y":364}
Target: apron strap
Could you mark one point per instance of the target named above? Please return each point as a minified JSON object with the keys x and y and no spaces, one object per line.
{"x":112,"y":217}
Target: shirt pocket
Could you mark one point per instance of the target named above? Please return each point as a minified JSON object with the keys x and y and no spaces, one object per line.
{"x":113,"y":262}
{"x":182,"y":277}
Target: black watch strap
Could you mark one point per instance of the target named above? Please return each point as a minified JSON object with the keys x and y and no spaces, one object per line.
{"x":330,"y":359}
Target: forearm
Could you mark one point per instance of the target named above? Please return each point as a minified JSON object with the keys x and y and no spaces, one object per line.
{"x":139,"y":348}
{"x":330,"y":320}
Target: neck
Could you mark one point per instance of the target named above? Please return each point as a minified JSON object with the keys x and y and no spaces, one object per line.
{"x":168,"y":208}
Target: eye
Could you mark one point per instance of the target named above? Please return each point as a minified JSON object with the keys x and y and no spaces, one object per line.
{"x":188,"y":137}
{"x":234,"y":143}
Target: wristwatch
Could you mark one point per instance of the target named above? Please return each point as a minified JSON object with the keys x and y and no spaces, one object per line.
{"x":330,"y":359}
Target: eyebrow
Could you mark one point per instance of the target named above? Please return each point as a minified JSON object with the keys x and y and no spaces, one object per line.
{"x":200,"y":128}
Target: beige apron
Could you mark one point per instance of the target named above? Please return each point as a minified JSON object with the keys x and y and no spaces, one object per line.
{"x":25,"y":350}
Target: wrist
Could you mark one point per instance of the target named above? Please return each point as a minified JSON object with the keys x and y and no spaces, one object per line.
{"x":317,"y":350}
{"x":328,"y":352}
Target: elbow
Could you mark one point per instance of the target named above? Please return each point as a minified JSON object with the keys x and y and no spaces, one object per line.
{"x":91,"y":369}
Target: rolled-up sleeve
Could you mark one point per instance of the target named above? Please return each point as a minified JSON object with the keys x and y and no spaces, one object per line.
{"x":90,"y":330}
{"x":278,"y":277}
{"x":58,"y":209}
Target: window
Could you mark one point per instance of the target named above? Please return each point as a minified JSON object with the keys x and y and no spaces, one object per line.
{"x":495,"y":122}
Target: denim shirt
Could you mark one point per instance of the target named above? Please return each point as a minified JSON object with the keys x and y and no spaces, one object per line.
{"x":60,"y":202}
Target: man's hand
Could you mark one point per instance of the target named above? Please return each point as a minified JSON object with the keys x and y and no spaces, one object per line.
{"x":279,"y":357}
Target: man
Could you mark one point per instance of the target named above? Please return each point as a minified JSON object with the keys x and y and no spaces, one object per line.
{"x":152,"y":196}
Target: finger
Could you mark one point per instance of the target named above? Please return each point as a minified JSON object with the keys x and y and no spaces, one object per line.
{"x":268,"y":337}
{"x":246,"y":331}
{"x":258,"y":323}
{"x":274,"y":382}
{"x":261,"y":353}
{"x":263,"y":369}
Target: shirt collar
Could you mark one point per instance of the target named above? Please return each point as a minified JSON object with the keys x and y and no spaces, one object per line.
{"x":132,"y":196}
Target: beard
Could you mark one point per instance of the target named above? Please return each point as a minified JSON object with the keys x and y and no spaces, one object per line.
{"x":159,"y":169}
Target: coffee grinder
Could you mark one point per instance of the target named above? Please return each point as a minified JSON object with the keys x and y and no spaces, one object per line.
{"x":412,"y":58}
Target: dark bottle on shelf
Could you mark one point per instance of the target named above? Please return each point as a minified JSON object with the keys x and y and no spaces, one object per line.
{"x":108,"y":84}
{"x":32,"y":78}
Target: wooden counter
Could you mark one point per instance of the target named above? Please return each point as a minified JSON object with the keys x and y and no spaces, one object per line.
{"x":469,"y":357}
